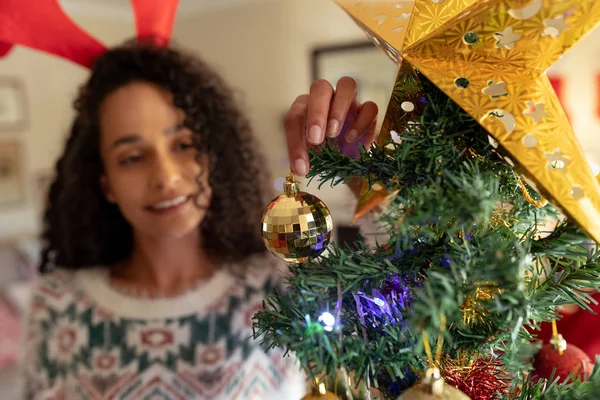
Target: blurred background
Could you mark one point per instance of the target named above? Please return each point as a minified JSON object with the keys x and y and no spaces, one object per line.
{"x":268,"y":50}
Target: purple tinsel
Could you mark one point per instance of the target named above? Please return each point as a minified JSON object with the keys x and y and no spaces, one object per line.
{"x":384,"y":305}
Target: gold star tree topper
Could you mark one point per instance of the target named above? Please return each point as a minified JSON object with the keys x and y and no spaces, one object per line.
{"x":491,"y":57}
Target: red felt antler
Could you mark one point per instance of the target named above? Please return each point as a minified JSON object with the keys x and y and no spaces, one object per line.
{"x":44,"y":26}
{"x":5,"y":48}
{"x":154,"y":19}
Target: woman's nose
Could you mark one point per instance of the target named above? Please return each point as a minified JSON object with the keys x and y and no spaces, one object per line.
{"x":165,"y":174}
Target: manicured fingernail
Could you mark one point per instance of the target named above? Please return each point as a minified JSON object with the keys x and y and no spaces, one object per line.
{"x":351,"y":136}
{"x":332,"y":128}
{"x":300,"y":167}
{"x":315,"y":134}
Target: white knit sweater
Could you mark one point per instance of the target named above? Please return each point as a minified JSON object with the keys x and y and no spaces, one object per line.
{"x":87,"y":340}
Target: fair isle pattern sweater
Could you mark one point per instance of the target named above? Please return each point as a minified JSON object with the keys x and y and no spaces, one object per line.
{"x":87,"y":340}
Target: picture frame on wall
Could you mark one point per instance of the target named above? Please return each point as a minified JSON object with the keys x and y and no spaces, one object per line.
{"x":13,"y":105}
{"x":12,"y":186}
{"x":374,"y":72}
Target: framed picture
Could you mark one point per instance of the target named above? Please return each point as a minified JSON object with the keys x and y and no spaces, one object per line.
{"x":374,"y":72}
{"x":13,"y":110}
{"x":12,"y":188}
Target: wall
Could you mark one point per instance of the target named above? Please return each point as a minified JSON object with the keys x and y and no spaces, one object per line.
{"x":580,"y":68}
{"x":239,"y":43}
{"x":263,"y":49}
{"x":51,"y":85}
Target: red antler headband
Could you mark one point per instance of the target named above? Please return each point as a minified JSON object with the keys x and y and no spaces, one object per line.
{"x":4,"y":48}
{"x":154,"y":19}
{"x":46,"y":27}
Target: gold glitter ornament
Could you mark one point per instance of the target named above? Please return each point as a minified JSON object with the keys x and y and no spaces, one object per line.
{"x":320,"y":393}
{"x":432,"y":387}
{"x":326,"y":396}
{"x":296,"y":226}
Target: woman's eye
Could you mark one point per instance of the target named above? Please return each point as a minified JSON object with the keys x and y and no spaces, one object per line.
{"x":185,"y":146}
{"x":130,"y":159}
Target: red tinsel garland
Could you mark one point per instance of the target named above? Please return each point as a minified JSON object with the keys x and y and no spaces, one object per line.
{"x":483,"y":379}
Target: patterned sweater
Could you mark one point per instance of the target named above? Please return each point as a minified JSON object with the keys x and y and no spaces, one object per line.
{"x":86,"y":340}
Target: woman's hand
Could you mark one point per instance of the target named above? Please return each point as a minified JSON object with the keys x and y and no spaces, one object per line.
{"x":329,"y":113}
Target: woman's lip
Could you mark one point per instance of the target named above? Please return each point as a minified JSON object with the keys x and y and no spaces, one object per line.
{"x":169,"y":206}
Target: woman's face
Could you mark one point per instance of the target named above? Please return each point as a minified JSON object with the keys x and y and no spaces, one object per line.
{"x":150,"y":163}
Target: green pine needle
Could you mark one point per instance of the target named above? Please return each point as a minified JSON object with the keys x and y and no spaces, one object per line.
{"x":458,"y":223}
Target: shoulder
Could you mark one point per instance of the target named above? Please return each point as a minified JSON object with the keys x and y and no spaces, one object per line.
{"x":53,"y":286}
{"x":55,"y":292}
{"x":49,"y":296}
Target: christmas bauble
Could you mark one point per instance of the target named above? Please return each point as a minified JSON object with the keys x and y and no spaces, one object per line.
{"x":296,"y":226}
{"x":573,"y":360}
{"x":422,"y":392}
{"x":326,"y":396}
{"x":320,"y":393}
{"x":432,"y":387}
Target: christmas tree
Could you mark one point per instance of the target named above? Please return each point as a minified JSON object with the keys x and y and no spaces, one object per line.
{"x":476,"y":258}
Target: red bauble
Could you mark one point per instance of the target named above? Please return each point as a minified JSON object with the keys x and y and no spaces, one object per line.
{"x":573,"y":360}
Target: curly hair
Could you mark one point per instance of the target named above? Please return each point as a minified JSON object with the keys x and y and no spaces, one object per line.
{"x":82,"y":229}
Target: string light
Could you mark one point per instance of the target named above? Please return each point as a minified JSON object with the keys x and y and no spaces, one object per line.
{"x":328,"y":320}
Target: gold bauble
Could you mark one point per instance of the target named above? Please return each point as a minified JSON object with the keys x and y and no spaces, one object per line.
{"x":432,"y":387}
{"x":326,"y":396}
{"x":296,"y":226}
{"x":320,"y":392}
{"x":423,"y":392}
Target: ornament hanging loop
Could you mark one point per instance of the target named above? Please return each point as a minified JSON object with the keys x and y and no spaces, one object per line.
{"x":434,"y":382}
{"x":558,"y":342}
{"x":290,"y":186}
{"x":433,"y":362}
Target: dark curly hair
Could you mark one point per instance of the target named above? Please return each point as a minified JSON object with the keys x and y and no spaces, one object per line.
{"x":82,"y":229}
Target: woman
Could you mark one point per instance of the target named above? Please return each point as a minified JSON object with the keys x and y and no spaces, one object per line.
{"x":153,"y":263}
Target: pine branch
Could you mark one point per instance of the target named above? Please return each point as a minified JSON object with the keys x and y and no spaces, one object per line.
{"x":466,"y":252}
{"x":552,"y":389}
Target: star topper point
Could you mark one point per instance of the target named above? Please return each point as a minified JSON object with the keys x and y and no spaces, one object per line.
{"x":491,"y":57}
